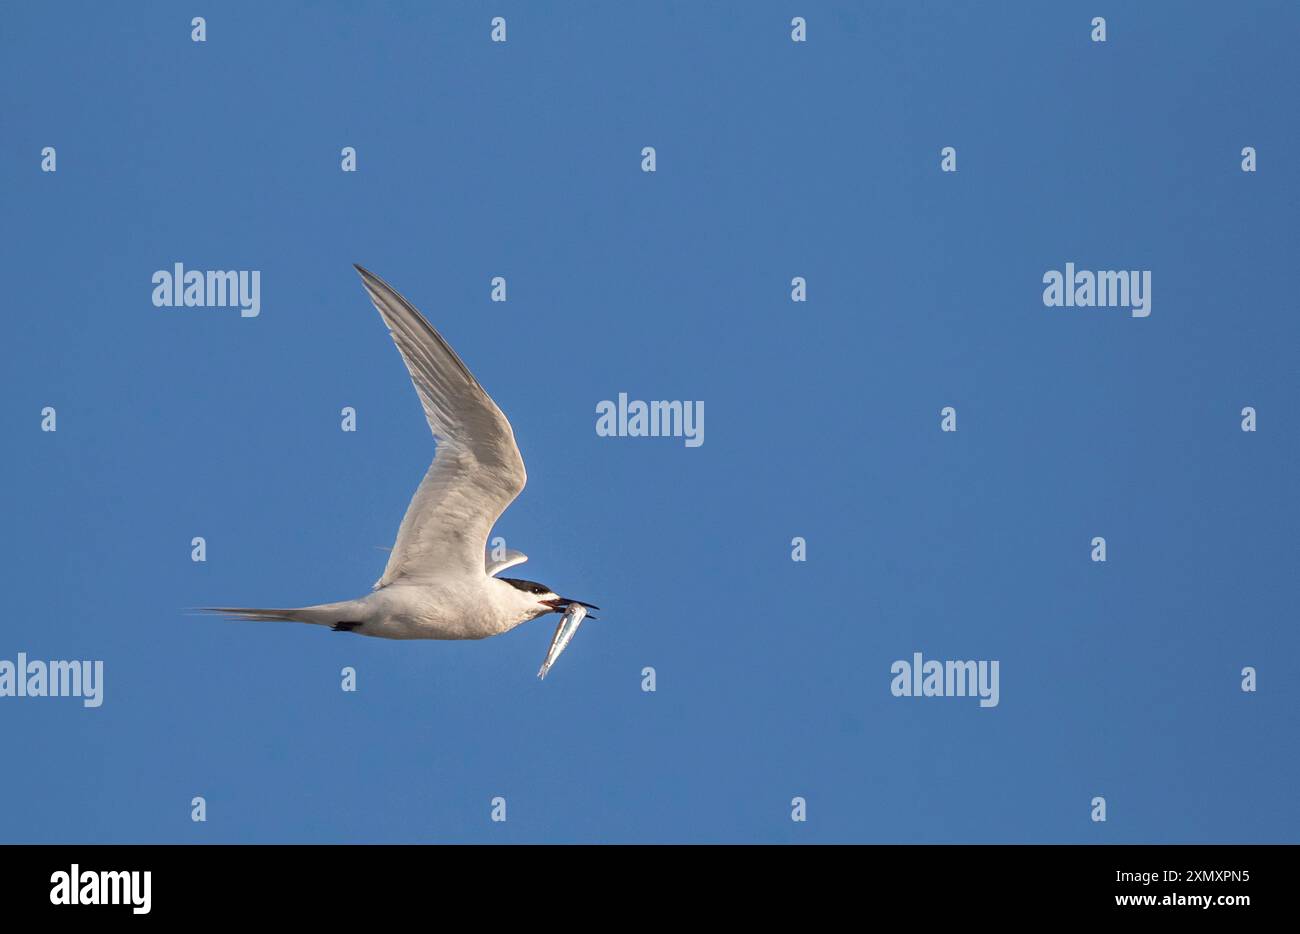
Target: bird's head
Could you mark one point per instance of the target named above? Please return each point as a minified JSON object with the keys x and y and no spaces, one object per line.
{"x":541,"y":599}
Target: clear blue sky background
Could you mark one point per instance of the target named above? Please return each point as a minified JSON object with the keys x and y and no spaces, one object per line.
{"x":822,"y":419}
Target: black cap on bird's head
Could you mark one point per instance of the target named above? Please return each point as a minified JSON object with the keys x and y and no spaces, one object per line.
{"x":557,"y":603}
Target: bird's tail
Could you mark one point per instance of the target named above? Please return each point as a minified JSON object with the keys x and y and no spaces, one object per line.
{"x":248,"y":612}
{"x":326,"y":614}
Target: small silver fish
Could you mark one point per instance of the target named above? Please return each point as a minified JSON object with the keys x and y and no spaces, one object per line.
{"x":573,"y":616}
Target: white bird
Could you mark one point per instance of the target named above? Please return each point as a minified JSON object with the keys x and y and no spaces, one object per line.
{"x":437,"y":584}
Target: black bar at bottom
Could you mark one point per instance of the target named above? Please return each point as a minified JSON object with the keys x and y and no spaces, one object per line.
{"x":335,"y":883}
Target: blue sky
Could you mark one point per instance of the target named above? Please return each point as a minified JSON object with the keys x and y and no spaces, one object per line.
{"x":775,"y":160}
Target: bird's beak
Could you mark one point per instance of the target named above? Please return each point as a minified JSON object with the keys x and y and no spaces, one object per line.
{"x":560,"y":604}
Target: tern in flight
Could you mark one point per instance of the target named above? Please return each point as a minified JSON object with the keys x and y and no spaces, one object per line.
{"x":437,"y":584}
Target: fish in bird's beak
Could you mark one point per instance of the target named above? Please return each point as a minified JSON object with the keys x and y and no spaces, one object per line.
{"x":564,"y":632}
{"x":561,"y":604}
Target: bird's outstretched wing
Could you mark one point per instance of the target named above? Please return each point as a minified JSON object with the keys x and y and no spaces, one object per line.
{"x":508,"y":560}
{"x":477,"y":471}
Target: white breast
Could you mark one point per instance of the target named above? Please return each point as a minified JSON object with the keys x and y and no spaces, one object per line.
{"x":441,"y":609}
